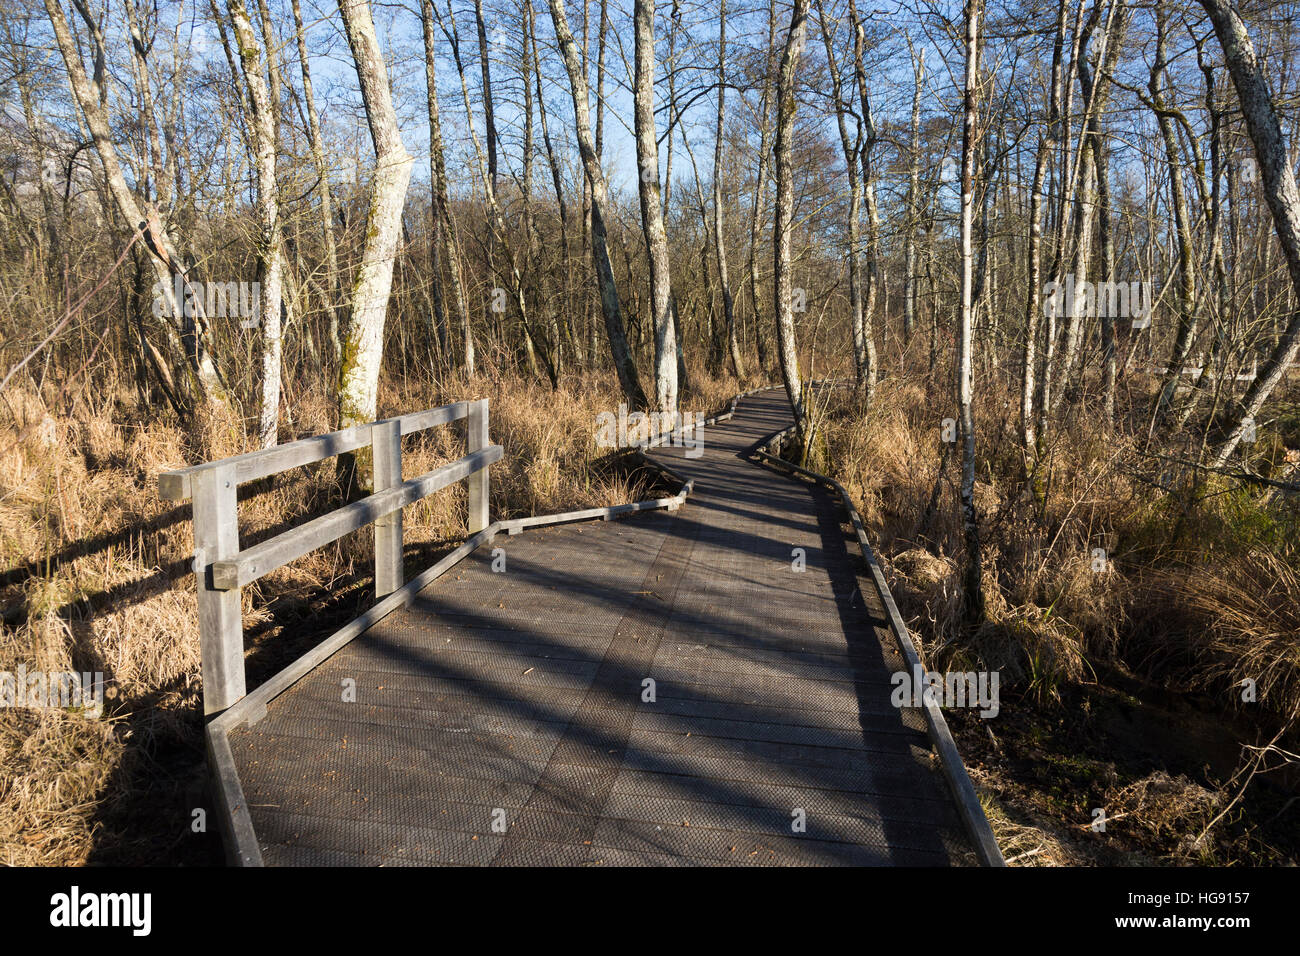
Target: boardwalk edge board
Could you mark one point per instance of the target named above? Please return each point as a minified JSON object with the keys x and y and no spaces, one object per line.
{"x":954,"y":769}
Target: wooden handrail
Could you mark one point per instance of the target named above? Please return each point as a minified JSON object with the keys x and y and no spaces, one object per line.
{"x":221,"y":568}
{"x":178,"y":485}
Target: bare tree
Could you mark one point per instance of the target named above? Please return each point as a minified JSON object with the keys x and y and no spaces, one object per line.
{"x":1280,"y":192}
{"x":965,"y":401}
{"x":326,"y":200}
{"x":187,"y":330}
{"x":262,"y":121}
{"x":652,"y":220}
{"x":446,"y":239}
{"x":719,"y":238}
{"x":783,"y":289}
{"x":613,"y":310}
{"x":364,"y":344}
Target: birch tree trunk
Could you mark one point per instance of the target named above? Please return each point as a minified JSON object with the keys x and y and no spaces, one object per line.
{"x":652,"y":220}
{"x":363,"y":347}
{"x":970,"y":525}
{"x":867,"y":159}
{"x":783,"y":291}
{"x":187,"y":336}
{"x":1033,"y":306}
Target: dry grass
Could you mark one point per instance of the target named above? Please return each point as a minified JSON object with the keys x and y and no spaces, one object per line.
{"x":1208,"y":615}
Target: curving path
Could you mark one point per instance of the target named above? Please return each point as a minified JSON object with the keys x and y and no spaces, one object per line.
{"x":504,"y":717}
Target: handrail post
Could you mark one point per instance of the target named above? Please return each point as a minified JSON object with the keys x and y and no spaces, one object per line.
{"x":221,"y":628}
{"x":477,"y":440}
{"x":386,"y":442}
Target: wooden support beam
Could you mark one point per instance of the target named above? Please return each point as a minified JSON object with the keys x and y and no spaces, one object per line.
{"x":476,"y":440}
{"x":221,"y":630}
{"x":386,"y":441}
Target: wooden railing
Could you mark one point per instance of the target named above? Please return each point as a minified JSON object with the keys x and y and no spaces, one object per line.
{"x":221,"y":567}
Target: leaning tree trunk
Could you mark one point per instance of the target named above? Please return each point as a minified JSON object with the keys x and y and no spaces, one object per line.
{"x":613,"y":311}
{"x":191,"y":337}
{"x":783,"y":290}
{"x":1280,"y":192}
{"x":364,"y":344}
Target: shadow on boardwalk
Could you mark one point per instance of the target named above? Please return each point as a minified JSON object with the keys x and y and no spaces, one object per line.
{"x":662,"y":690}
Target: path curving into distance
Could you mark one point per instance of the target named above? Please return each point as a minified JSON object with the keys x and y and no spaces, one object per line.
{"x":504,"y":718}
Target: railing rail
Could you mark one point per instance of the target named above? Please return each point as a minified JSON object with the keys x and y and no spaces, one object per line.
{"x":221,"y":567}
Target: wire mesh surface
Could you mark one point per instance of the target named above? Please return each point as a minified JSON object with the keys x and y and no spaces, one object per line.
{"x":506,"y":718}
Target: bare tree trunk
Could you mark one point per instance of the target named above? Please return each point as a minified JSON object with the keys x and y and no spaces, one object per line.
{"x":445,"y":229}
{"x":613,"y":310}
{"x":189,"y":336}
{"x":719,"y":241}
{"x":261,"y":124}
{"x":970,"y":524}
{"x":323,"y":186}
{"x":1094,"y":83}
{"x":364,"y":344}
{"x":489,"y":117}
{"x":851,"y":148}
{"x":783,"y":305}
{"x":869,"y":201}
{"x":500,"y":231}
{"x":1033,"y":306}
{"x":1280,"y":192}
{"x":1187,"y":305}
{"x":913,"y":210}
{"x":760,"y":193}
{"x":652,"y":220}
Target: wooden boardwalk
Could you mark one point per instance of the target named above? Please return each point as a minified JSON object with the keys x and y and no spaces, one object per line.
{"x":504,"y":717}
